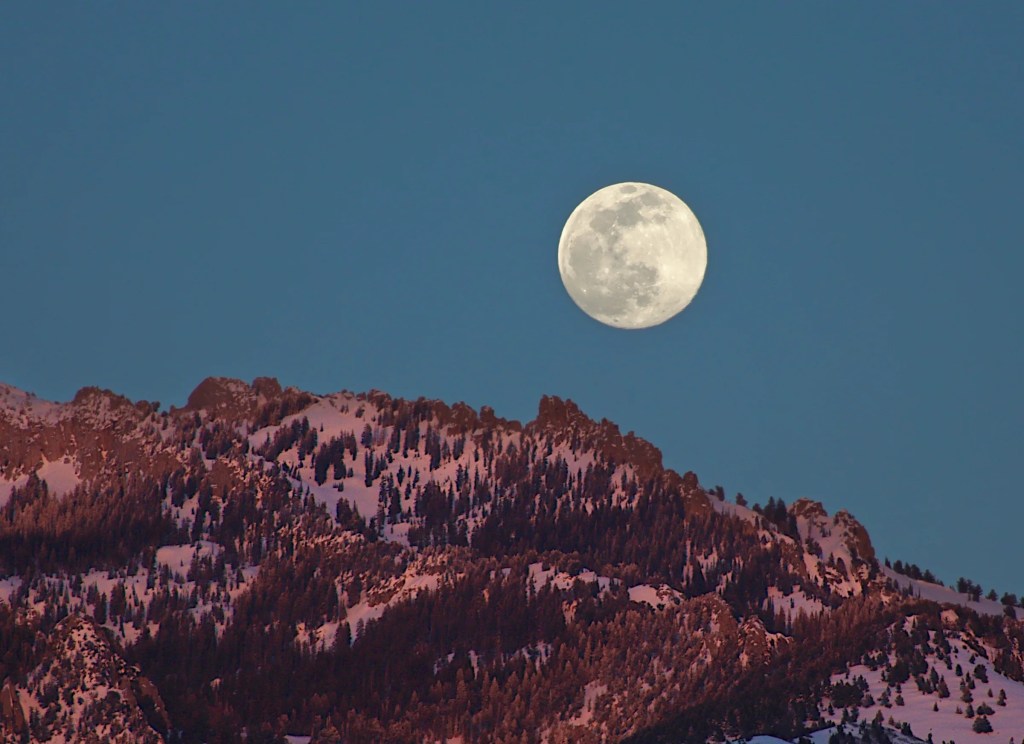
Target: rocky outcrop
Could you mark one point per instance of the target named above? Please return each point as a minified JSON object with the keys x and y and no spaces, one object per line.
{"x":12,"y":715}
{"x":150,"y":703}
{"x":808,"y":509}
{"x":758,"y":646}
{"x":857,"y":538}
{"x":92,"y":433}
{"x":220,"y":393}
{"x":261,"y":403}
{"x":563,"y":421}
{"x":817,"y":523}
{"x":83,"y":684}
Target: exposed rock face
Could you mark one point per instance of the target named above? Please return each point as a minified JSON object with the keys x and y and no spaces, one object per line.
{"x":151,"y":704}
{"x":856,"y":536}
{"x":91,"y":433}
{"x":808,"y":509}
{"x":565,"y":422}
{"x":267,"y":387}
{"x":96,"y":435}
{"x":564,"y":415}
{"x":13,"y":715}
{"x":757,"y":644}
{"x":264,"y":401}
{"x":87,"y":692}
{"x":218,"y":393}
{"x":97,"y":406}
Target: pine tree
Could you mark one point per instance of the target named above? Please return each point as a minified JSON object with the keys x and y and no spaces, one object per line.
{"x":981,"y":725}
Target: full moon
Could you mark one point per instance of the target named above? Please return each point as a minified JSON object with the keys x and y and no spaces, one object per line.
{"x":632,"y":255}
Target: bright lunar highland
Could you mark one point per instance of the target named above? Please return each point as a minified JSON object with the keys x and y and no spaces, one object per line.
{"x":632,"y":255}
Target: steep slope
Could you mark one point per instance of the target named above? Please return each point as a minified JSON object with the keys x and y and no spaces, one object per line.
{"x":83,"y":691}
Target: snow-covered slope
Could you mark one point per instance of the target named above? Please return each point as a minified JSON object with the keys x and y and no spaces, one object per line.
{"x":946,"y":595}
{"x":966,"y":682}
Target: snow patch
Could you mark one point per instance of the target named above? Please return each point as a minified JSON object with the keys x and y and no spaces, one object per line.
{"x":658,"y":597}
{"x":541,"y":577}
{"x":179,"y":557}
{"x":61,"y":476}
{"x":794,"y":603}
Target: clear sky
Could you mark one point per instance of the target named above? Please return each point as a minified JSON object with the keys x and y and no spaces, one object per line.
{"x":349,"y":198}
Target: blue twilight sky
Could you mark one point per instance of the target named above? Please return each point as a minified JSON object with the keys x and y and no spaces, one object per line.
{"x":347,"y":197}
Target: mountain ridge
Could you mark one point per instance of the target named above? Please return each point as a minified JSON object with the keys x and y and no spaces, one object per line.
{"x":281,"y":530}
